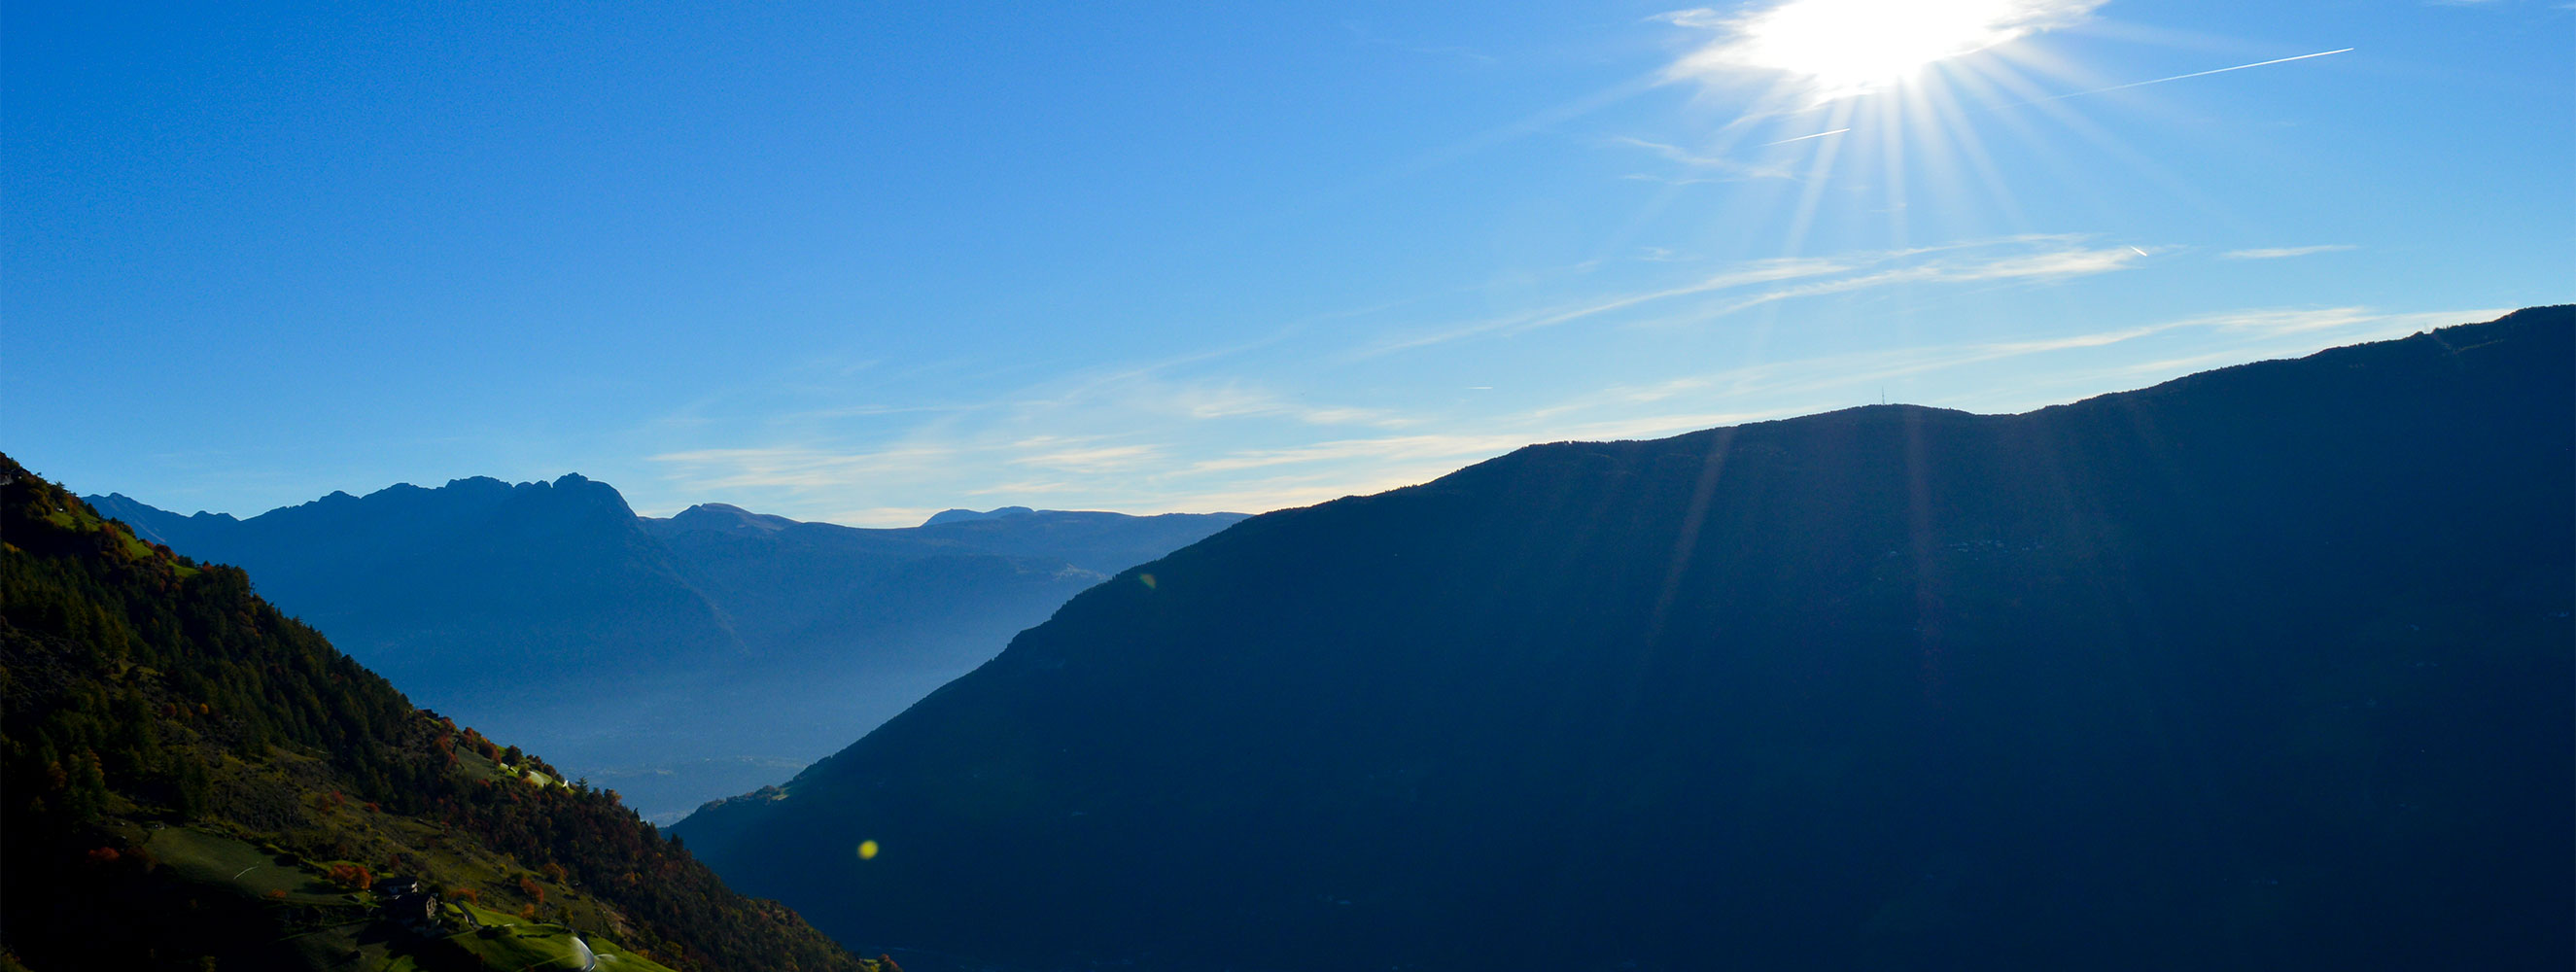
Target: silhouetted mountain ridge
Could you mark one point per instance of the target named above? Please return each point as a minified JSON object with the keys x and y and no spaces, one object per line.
{"x":2263,"y":667}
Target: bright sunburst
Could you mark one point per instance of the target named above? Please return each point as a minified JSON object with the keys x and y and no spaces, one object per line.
{"x":1837,"y":48}
{"x":1869,"y":96}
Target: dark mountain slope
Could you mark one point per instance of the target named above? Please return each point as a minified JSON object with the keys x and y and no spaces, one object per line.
{"x":2265,"y":667}
{"x":190,"y":779}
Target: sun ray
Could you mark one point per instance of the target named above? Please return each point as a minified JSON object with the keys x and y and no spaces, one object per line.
{"x":1817,"y":178}
{"x":1945,"y":119}
{"x":1985,"y":82}
{"x":2139,"y":163}
{"x":1894,"y":184}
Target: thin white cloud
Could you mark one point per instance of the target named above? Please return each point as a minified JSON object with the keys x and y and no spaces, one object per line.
{"x":794,"y":468}
{"x":1745,"y":274}
{"x":1676,"y":181}
{"x":1230,"y":399}
{"x":2281,"y":252}
{"x":1700,"y":18}
{"x":2230,"y":337}
{"x":1735,"y":171}
{"x":2058,"y":264}
{"x":1830,"y":380}
{"x":1420,"y":446}
{"x":2035,"y":258}
{"x":1103,"y":459}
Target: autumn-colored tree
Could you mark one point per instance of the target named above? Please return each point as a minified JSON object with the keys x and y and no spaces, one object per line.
{"x":535,"y":892}
{"x":355,"y":877}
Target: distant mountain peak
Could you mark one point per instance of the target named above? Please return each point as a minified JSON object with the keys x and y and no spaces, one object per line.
{"x":963,"y":515}
{"x":728,"y":518}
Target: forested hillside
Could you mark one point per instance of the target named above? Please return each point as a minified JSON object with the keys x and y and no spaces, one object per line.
{"x":194,"y":780}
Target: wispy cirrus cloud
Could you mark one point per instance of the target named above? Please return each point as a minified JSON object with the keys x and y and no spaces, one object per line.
{"x":2230,"y":337}
{"x":2058,"y":264}
{"x":1096,"y":460}
{"x":1707,"y":168}
{"x":1741,"y":286}
{"x":795,"y":468}
{"x":2283,"y":252}
{"x":1741,"y":275}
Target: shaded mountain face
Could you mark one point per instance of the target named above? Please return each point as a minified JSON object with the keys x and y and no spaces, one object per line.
{"x":2266,"y":667}
{"x":191,"y":779}
{"x":480,"y":589}
{"x":676,"y":659}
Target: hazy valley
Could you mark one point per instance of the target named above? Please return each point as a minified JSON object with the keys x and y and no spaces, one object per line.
{"x":674,"y":659}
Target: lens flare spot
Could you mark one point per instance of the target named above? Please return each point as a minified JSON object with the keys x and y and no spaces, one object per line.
{"x":1148,"y":579}
{"x":867,"y":850}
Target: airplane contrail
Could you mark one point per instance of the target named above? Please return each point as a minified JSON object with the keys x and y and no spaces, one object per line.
{"x":1802,"y":138}
{"x":2178,"y":77}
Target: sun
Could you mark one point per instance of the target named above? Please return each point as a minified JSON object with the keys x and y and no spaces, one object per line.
{"x":1839,"y":48}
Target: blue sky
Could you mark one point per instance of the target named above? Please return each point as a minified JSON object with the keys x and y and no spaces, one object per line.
{"x":863,"y":262}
